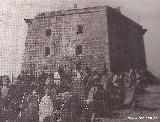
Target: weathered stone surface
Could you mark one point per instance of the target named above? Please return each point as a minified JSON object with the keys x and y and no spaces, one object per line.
{"x":126,"y":44}
{"x":105,"y":37}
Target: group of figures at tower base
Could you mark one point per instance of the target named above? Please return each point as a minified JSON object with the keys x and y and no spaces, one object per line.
{"x":81,"y":95}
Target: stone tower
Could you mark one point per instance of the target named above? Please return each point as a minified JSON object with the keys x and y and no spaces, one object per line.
{"x":91,"y":36}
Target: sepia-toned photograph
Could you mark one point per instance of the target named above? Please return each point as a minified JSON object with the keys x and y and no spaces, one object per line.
{"x":79,"y":61}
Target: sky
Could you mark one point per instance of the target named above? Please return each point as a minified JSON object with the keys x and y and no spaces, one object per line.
{"x":13,"y":29}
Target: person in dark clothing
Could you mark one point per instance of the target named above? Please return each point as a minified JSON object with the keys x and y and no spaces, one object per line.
{"x":33,"y":82}
{"x":133,"y":78}
{"x":72,"y":109}
{"x":30,"y":109}
{"x":61,"y":71}
{"x":24,"y":81}
{"x":22,"y":77}
{"x":87,"y":81}
{"x":87,"y":76}
{"x":5,"y":109}
{"x":114,"y":91}
{"x":41,"y":83}
{"x":15,"y":96}
{"x":99,"y":100}
{"x":33,"y":107}
{"x":65,"y":79}
{"x":121,"y":89}
{"x":1,"y":81}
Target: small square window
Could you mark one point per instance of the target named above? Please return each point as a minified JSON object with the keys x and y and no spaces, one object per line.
{"x":80,"y":29}
{"x":47,"y":51}
{"x":79,"y":50}
{"x":48,"y":32}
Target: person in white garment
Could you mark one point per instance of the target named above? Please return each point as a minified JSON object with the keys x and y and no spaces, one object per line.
{"x":114,"y":80}
{"x":91,"y":94}
{"x":77,"y":85}
{"x":45,"y":107}
{"x":57,"y":78}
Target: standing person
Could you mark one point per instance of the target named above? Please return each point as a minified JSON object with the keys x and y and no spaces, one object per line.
{"x":41,"y":83}
{"x":108,"y":92}
{"x":86,"y":80}
{"x":56,"y":105}
{"x":65,"y":79}
{"x":61,"y":72}
{"x":4,"y":100}
{"x":5,"y":86}
{"x":96,"y":99}
{"x":106,"y":83}
{"x":48,"y":83}
{"x":77,"y":84}
{"x":33,"y":82}
{"x":143,"y":80}
{"x":109,"y":80}
{"x":23,"y":105}
{"x":31,"y":111}
{"x":15,"y":95}
{"x":138,"y":77}
{"x":114,"y":91}
{"x":57,"y":82}
{"x":126,"y":80}
{"x":95,"y":78}
{"x":104,"y":79}
{"x":45,"y":107}
{"x":21,"y":77}
{"x":130,"y":76}
{"x":92,"y":84}
{"x":1,"y":81}
{"x":133,"y":78}
{"x":120,"y":89}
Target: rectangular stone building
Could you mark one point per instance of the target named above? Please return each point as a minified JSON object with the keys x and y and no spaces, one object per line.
{"x":93,"y":37}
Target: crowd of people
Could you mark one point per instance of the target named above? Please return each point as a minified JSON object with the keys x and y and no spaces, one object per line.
{"x":31,"y":99}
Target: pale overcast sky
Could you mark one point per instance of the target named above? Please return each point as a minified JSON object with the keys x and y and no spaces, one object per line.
{"x":13,"y":28}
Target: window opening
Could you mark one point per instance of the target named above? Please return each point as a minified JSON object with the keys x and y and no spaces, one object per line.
{"x":79,"y":50}
{"x":80,"y":29}
{"x":48,"y":32}
{"x":47,"y":51}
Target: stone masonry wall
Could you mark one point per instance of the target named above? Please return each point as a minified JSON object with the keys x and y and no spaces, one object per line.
{"x":64,"y":40}
{"x":106,"y":36}
{"x":126,"y":44}
{"x":94,"y":38}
